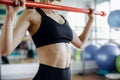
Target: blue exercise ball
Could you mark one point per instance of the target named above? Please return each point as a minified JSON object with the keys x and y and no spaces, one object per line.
{"x":88,"y":52}
{"x":114,"y":19}
{"x":105,"y":57}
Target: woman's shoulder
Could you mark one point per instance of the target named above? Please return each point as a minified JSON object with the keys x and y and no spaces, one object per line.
{"x":29,"y":11}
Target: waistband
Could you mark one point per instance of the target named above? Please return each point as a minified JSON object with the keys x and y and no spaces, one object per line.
{"x":47,"y":66}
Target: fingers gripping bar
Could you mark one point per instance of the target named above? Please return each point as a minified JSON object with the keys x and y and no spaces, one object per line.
{"x":53,"y":6}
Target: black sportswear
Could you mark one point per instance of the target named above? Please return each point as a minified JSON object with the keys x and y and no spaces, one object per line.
{"x":46,"y":72}
{"x":51,"y":32}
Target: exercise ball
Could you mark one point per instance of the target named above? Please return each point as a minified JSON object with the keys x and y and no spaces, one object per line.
{"x":105,"y":57}
{"x":88,"y":52}
{"x":118,"y":63}
{"x":114,"y":19}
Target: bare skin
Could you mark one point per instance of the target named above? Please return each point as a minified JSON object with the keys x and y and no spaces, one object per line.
{"x":56,"y":55}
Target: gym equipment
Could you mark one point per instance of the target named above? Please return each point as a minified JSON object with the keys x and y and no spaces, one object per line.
{"x":118,"y":63}
{"x":89,"y":51}
{"x":105,"y":57}
{"x":53,"y":6}
{"x":114,"y":19}
{"x":102,"y":72}
{"x":76,"y":54}
{"x":19,"y":71}
{"x":113,"y":76}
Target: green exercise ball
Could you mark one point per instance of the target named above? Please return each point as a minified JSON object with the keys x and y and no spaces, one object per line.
{"x":118,"y":63}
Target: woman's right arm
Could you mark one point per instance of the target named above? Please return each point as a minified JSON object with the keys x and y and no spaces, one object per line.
{"x":12,"y":36}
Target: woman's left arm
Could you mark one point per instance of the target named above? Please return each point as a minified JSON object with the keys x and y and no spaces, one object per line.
{"x":81,"y":40}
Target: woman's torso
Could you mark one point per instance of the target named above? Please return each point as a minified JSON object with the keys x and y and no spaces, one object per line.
{"x":57,"y":54}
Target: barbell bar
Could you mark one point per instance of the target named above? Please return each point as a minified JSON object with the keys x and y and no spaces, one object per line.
{"x":53,"y":6}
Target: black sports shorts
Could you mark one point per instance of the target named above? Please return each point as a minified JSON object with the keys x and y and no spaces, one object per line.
{"x":46,"y":72}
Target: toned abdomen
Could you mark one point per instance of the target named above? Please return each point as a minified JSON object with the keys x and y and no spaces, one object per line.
{"x":56,"y":55}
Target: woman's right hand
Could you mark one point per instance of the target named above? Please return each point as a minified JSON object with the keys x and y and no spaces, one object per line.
{"x":91,"y":13}
{"x":19,"y":5}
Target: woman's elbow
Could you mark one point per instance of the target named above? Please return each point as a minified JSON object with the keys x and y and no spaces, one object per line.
{"x":5,"y":52}
{"x":80,"y":46}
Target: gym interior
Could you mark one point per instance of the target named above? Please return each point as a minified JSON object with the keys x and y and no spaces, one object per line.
{"x":99,"y":59}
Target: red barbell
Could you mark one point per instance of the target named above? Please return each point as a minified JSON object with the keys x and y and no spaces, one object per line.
{"x":53,"y":6}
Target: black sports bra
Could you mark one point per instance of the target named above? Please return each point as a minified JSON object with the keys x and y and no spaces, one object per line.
{"x":51,"y":32}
